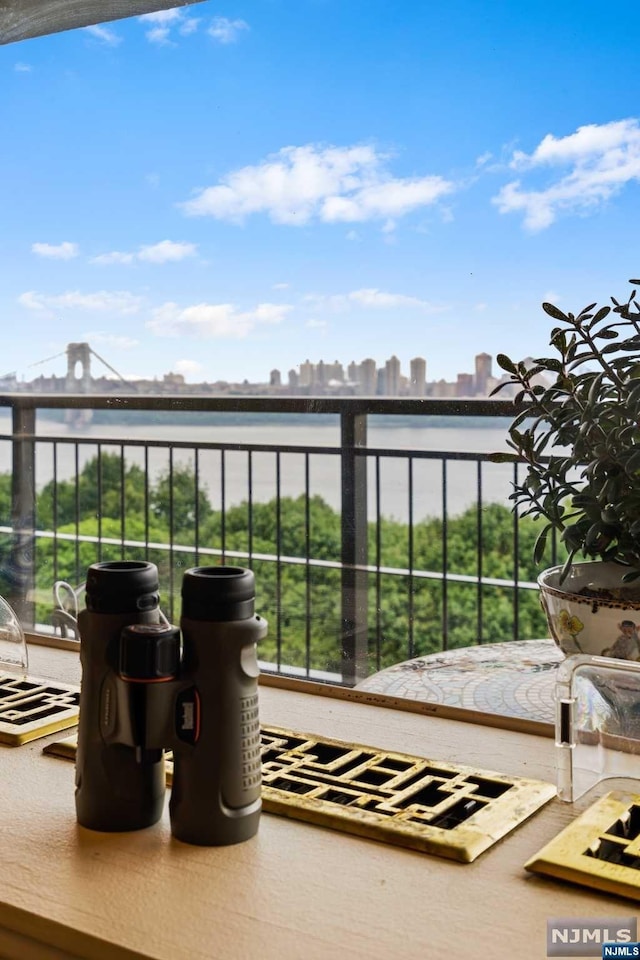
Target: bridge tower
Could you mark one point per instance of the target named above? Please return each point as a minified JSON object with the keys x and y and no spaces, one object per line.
{"x":78,"y":353}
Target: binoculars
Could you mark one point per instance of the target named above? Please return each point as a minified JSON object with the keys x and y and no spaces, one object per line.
{"x":148,"y":686}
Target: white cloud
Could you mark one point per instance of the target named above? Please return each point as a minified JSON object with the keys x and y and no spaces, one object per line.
{"x":166,"y":251}
{"x":208,"y":321}
{"x":117,"y":301}
{"x":188,"y":26}
{"x":22,"y":67}
{"x":315,"y":324}
{"x":115,"y":256}
{"x":599,"y":160}
{"x":331,"y":184}
{"x":162,"y":22}
{"x":163,"y":17}
{"x":60,"y":251}
{"x":104,"y":34}
{"x":372,"y":298}
{"x":281,"y":286}
{"x":110,"y":340}
{"x":158,"y":35}
{"x":188,"y":368}
{"x":226,"y":31}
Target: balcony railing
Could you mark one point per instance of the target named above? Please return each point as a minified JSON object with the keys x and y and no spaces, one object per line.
{"x":348,"y":586}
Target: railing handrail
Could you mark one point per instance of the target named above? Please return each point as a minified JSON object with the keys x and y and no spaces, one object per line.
{"x":179,"y":403}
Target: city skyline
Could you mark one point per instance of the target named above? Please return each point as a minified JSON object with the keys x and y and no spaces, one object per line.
{"x":343,"y":180}
{"x":364,"y":378}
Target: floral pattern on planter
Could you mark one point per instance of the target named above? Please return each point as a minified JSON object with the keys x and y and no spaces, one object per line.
{"x":569,"y":626}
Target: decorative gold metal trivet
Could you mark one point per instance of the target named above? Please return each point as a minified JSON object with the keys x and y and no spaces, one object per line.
{"x":600,"y":849}
{"x":32,"y":708}
{"x":431,"y":806}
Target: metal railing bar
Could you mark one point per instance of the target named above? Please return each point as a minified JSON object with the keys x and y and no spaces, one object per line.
{"x":196,"y":509}
{"x":303,"y":406}
{"x":307,"y":577}
{"x":54,"y":508}
{"x":171,"y":532}
{"x":99,"y":495}
{"x":77,"y":512}
{"x":278,"y":562}
{"x":294,"y":561}
{"x":147,"y":504}
{"x":401,"y":454}
{"x":445,"y":562}
{"x":123,"y":505}
{"x":410,"y":584}
{"x":250,"y":501}
{"x":378,"y":567}
{"x":479,"y":592}
{"x":223,"y":503}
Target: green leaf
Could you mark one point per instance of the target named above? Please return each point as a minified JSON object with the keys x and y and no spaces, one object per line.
{"x":541,"y":543}
{"x":554,"y":312}
{"x":504,"y":458}
{"x":505,"y":363}
{"x":547,"y":363}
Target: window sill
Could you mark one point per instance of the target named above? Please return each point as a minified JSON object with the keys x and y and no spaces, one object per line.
{"x":294,"y":890}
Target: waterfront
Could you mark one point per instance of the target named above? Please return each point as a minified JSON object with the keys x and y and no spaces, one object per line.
{"x":323,"y":469}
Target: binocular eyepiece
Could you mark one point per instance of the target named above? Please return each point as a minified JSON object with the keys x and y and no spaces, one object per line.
{"x":148,"y":686}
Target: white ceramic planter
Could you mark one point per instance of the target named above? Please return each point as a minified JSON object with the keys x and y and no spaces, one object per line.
{"x":599,"y":627}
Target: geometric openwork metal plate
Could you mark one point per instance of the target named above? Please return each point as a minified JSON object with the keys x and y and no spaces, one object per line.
{"x":431,"y":806}
{"x":32,"y":708}
{"x":600,"y":848}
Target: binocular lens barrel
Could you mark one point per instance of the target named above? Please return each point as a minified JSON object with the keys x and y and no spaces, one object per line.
{"x":122,"y":586}
{"x":218,"y":594}
{"x":114,"y":791}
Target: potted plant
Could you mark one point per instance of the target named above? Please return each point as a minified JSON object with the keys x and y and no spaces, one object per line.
{"x":577,"y":430}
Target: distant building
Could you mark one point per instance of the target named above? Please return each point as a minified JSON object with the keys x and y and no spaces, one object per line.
{"x":306,"y":374}
{"x":392,"y":377}
{"x":368,"y":378}
{"x":418,"y":378}
{"x":483,"y":374}
{"x":275,"y":379}
{"x":465,"y":385}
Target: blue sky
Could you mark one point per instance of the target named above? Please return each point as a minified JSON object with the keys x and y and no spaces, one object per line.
{"x":226,"y":188}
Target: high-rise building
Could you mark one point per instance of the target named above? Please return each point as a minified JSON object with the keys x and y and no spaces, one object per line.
{"x":368,"y":379}
{"x":465,"y":385}
{"x":335,"y":371}
{"x":306,"y":374}
{"x":418,"y":378}
{"x":352,"y":372}
{"x":275,"y":379}
{"x":392,"y":377}
{"x":483,"y":374}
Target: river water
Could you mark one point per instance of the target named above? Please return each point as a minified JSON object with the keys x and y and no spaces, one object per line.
{"x":323,"y":469}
